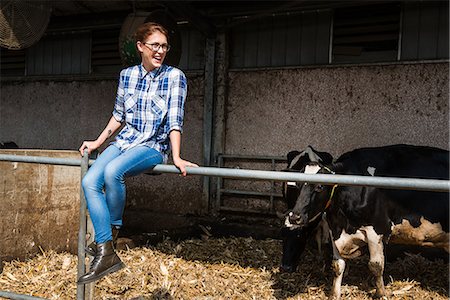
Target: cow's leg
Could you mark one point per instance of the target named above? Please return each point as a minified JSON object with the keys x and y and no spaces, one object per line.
{"x":338,"y":266}
{"x":376,"y":262}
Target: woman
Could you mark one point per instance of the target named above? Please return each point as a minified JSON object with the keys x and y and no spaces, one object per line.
{"x":150,"y":103}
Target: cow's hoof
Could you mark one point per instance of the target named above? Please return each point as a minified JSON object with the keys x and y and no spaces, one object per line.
{"x":287,"y":269}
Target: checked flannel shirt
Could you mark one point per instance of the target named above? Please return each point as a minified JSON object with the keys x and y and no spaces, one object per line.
{"x":151,"y":104}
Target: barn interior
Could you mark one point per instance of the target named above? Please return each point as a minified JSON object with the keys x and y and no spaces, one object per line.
{"x":265,"y":78}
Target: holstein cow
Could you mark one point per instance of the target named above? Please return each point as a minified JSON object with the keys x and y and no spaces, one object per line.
{"x":295,"y":238}
{"x":365,"y":218}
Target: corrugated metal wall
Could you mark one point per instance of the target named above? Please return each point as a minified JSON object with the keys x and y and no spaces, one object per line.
{"x":300,"y":39}
{"x":281,"y":40}
{"x":60,"y":54}
{"x":425,"y":30}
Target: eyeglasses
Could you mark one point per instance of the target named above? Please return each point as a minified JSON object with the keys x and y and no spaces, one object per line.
{"x":156,"y":46}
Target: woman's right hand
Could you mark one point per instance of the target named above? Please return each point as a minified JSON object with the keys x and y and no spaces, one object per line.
{"x":89,"y":145}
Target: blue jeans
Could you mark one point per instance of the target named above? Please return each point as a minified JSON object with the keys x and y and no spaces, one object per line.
{"x":104,"y":185}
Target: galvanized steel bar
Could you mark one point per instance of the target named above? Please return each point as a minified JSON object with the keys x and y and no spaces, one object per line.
{"x":382,"y":182}
{"x":14,"y":296}
{"x":42,"y":160}
{"x":436,"y":185}
{"x":82,"y":230}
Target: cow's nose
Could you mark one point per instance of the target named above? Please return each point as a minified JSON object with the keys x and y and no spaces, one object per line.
{"x":294,"y":218}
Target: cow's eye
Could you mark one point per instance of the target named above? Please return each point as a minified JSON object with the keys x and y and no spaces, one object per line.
{"x":318,"y":188}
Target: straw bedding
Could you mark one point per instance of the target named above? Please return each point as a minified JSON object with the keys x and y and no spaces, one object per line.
{"x":222,"y":268}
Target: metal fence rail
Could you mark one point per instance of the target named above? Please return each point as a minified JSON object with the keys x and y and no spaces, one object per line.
{"x":435,"y":185}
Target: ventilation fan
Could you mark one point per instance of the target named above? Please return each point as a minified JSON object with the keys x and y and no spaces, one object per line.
{"x":127,"y":44}
{"x":22,"y":23}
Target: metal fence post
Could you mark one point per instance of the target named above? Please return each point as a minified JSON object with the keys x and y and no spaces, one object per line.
{"x":82,"y":229}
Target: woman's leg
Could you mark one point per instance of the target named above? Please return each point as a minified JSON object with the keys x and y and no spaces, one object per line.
{"x":93,"y":186}
{"x":130,"y":163}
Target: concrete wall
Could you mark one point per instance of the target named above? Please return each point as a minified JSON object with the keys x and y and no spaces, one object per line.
{"x":61,"y":114}
{"x":39,"y":205}
{"x":337,"y":109}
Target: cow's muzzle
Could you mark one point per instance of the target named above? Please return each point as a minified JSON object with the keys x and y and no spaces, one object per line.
{"x":294,"y":220}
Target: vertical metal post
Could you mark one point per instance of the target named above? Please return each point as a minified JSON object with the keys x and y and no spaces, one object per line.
{"x":208,"y":105}
{"x":220,"y":99}
{"x":272,"y":189}
{"x":82,"y":229}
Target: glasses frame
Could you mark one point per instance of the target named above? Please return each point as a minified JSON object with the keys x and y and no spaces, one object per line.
{"x":152,"y":46}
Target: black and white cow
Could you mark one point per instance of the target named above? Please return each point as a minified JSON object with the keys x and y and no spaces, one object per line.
{"x":364,"y":219}
{"x":295,"y":239}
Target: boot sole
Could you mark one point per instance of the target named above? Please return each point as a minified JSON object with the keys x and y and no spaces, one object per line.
{"x":110,"y":270}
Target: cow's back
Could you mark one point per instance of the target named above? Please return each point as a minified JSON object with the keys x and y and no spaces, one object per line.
{"x":411,"y":215}
{"x":397,"y":161}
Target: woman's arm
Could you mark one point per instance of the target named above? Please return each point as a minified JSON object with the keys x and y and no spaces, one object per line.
{"x":175,"y":142}
{"x":109,"y":130}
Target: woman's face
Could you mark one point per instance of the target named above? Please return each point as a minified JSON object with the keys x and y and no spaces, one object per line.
{"x":151,"y":58}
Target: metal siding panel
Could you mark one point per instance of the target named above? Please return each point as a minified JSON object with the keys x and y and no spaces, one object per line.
{"x":57,"y":57}
{"x":308,"y":43}
{"x":443,"y":39}
{"x":39,"y":59}
{"x":428,"y":32}
{"x":250,"y":46}
{"x":237,"y":44}
{"x":323,"y":37}
{"x":279,"y":42}
{"x":185,"y":49}
{"x":85,"y":53}
{"x":293,"y":37}
{"x":264,"y":42}
{"x":76,"y":54}
{"x":410,"y":33}
{"x":30,"y":60}
{"x":67,"y":53}
{"x":47,"y":57}
{"x":196,"y":50}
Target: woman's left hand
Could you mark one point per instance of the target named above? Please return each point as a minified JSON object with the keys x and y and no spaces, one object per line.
{"x":182,"y":164}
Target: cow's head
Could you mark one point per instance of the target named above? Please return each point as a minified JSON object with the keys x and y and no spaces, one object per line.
{"x":298,"y":226}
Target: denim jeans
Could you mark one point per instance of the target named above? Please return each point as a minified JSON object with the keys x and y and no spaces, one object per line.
{"x":104,"y":185}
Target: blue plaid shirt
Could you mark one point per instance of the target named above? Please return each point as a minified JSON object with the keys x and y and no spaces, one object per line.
{"x":151,"y":104}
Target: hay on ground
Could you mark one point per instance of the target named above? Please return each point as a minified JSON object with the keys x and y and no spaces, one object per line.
{"x":222,"y":268}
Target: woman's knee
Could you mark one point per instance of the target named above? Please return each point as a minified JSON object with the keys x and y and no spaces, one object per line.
{"x":88,"y":182}
{"x":113,"y":174}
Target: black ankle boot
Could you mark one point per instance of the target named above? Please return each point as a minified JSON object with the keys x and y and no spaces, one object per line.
{"x":92,"y":247}
{"x":105,"y":262}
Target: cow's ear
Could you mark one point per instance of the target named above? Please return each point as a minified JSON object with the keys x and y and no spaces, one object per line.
{"x":291,"y":155}
{"x":326,"y":157}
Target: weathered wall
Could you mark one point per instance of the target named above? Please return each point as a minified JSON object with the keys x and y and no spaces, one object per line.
{"x":61,"y":114}
{"x":39,"y":205}
{"x":337,"y":109}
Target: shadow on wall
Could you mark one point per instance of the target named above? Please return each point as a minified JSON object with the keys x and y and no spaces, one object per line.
{"x":8,"y":145}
